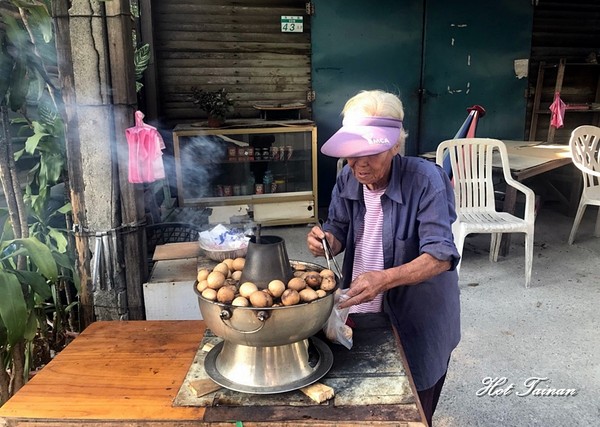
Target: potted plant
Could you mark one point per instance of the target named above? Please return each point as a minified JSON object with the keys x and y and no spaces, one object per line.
{"x":216,"y":104}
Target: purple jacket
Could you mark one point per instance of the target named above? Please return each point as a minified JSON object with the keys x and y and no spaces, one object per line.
{"x":418,"y":210}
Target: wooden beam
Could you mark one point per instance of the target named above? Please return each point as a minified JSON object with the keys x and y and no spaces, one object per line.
{"x":122,"y":75}
{"x":60,"y":14}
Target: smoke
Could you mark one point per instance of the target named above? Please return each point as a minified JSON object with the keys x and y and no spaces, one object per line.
{"x":200,"y":168}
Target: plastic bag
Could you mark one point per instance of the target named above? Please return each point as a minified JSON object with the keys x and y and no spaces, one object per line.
{"x":221,"y":237}
{"x":336,"y":330}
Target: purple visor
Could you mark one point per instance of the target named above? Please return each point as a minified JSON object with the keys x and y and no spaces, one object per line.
{"x":363,"y":136}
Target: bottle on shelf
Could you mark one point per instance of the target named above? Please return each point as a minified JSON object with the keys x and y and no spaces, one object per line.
{"x":267,"y":181}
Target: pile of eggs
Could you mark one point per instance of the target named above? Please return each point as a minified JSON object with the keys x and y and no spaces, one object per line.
{"x":222,"y":284}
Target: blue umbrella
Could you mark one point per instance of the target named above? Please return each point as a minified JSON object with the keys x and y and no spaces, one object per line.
{"x":467,"y":130}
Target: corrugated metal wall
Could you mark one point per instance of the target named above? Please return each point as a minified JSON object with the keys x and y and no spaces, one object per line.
{"x":237,"y":45}
{"x":564,"y":29}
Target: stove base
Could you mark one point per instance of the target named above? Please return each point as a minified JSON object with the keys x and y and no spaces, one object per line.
{"x":268,"y":370}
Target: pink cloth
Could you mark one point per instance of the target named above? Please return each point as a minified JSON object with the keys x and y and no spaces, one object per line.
{"x":558,"y":108}
{"x":145,"y":152}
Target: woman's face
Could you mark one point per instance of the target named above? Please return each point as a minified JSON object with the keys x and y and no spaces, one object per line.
{"x":373,"y":171}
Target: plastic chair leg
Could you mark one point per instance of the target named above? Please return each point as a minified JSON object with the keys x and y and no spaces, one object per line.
{"x":597,"y":229}
{"x":496,"y":240}
{"x":528,"y":257}
{"x":578,"y":216}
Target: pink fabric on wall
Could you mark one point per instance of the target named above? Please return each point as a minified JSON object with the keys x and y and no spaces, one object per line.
{"x":557,"y":108}
{"x":145,"y":152}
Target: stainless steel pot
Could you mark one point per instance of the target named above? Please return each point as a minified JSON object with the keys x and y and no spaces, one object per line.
{"x":263,"y":327}
{"x":268,"y":350}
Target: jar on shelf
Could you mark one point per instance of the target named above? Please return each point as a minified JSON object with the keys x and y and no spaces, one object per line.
{"x":268,"y":181}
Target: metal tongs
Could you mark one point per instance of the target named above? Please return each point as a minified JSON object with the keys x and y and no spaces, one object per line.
{"x":329,"y":253}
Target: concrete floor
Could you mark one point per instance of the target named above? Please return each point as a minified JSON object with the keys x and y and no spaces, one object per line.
{"x":510,"y":333}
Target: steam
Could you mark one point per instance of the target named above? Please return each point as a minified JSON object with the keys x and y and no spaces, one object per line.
{"x":200,"y":169}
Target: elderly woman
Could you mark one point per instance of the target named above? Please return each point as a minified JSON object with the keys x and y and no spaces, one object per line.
{"x":393,"y":215}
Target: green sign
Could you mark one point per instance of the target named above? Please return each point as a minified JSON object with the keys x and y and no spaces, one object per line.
{"x":292,"y":24}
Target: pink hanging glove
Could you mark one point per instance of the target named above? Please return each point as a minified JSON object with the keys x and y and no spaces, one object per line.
{"x":558,"y":108}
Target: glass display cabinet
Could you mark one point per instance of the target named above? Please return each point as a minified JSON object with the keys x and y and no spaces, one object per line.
{"x":267,"y":170}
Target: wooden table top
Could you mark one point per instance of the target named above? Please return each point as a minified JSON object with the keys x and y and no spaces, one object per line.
{"x":128,"y":373}
{"x":530,"y":158}
{"x":527,"y":158}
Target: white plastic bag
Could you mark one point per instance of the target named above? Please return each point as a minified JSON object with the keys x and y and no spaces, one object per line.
{"x":221,"y":237}
{"x":336,"y":329}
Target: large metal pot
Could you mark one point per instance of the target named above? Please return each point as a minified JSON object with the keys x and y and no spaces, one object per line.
{"x":268,"y":350}
{"x":265,"y":327}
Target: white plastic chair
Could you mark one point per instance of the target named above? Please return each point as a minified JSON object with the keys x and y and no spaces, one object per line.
{"x":471,"y":163}
{"x":585,"y":151}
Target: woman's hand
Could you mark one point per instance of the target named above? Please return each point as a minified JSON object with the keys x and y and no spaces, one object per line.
{"x":314,"y":241}
{"x":365,"y":288}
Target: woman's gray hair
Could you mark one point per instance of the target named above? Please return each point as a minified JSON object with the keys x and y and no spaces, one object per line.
{"x":377,"y":103}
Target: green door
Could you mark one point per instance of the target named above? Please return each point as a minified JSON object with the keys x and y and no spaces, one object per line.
{"x":441,"y":57}
{"x":469,"y":58}
{"x":359,"y":45}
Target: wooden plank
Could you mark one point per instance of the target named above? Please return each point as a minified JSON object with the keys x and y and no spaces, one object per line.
{"x":174,"y":270}
{"x":232,"y":56}
{"x":299,"y":47}
{"x":177,"y":251}
{"x":273,"y":61}
{"x":203,"y":10}
{"x":289,"y":74}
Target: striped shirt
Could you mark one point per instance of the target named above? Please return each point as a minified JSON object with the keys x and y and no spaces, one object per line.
{"x":369,"y":247}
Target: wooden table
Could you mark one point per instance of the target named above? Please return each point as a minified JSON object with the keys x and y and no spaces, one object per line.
{"x":531,"y":159}
{"x":128,"y":373}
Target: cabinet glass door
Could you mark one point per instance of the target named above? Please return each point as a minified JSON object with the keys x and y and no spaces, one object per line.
{"x":220,"y":166}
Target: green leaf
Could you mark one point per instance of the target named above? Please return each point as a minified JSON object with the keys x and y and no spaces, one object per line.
{"x":19,"y":154}
{"x":141,"y":58}
{"x":12,"y":307}
{"x":65,"y":208}
{"x":3,"y":338}
{"x":63,"y":260}
{"x":59,"y":238}
{"x":54,"y":167}
{"x":15,"y":33}
{"x":41,"y":256}
{"x":33,"y":141}
{"x":42,"y":21}
{"x":31,"y":327}
{"x":36,"y":282}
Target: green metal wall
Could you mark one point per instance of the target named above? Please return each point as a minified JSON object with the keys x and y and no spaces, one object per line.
{"x":439,"y":56}
{"x":470,"y":49}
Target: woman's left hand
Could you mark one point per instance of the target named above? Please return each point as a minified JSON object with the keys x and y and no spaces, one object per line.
{"x":365,"y":288}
